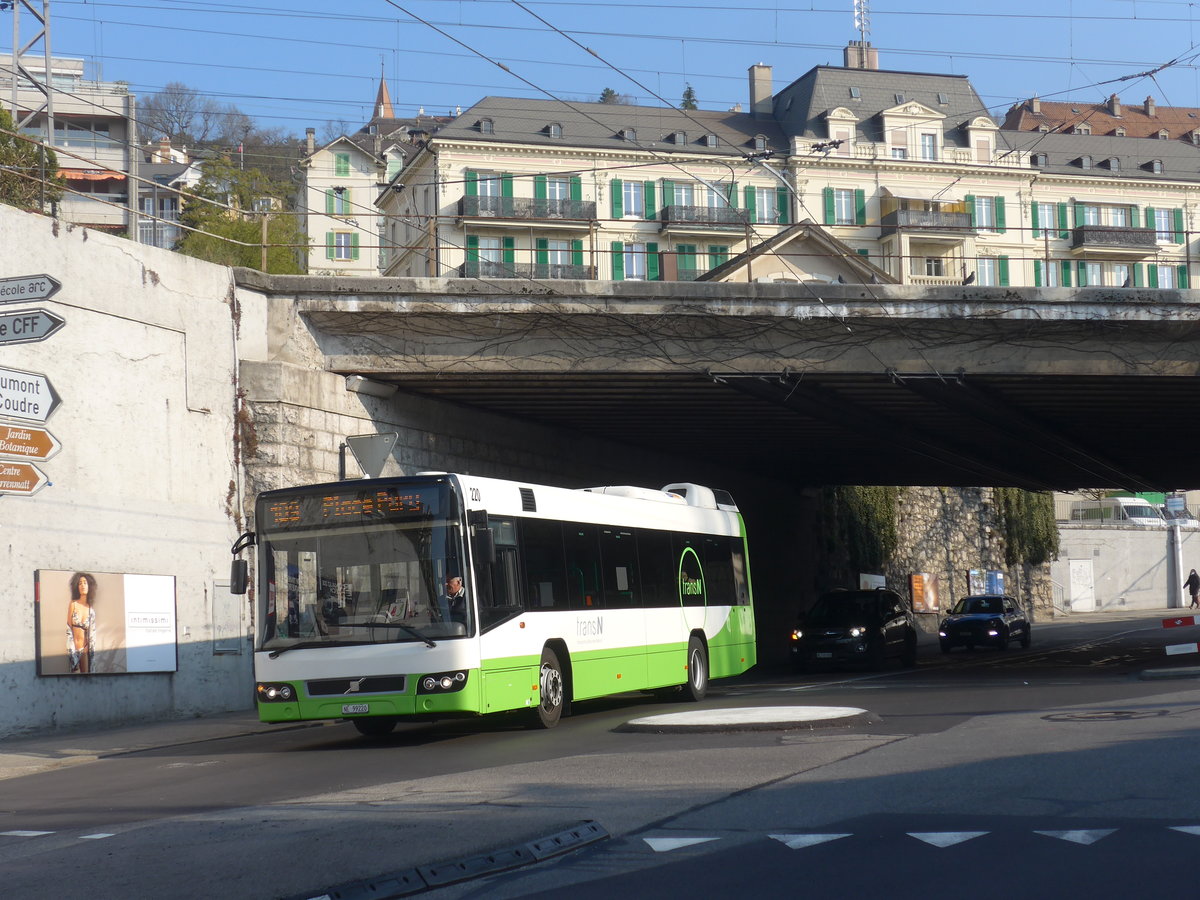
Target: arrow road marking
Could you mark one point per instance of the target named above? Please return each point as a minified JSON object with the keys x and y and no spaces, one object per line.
{"x":1187,"y":829}
{"x":800,"y":841}
{"x":664,"y":845}
{"x":945,"y":838}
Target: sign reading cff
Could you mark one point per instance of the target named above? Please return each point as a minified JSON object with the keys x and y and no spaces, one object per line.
{"x":27,"y":287}
{"x":27,"y":326}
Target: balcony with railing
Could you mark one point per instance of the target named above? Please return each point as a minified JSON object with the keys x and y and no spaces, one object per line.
{"x":566,"y":213}
{"x":926,"y":221}
{"x":703,"y":218}
{"x":1113,"y":239}
{"x":483,"y":268}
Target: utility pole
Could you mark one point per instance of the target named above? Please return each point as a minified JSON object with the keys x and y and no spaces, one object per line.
{"x":22,"y":55}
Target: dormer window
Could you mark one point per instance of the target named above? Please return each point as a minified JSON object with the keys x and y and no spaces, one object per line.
{"x":679,"y":138}
{"x":1044,"y":128}
{"x":1156,"y":166}
{"x":628,"y":134}
{"x":1085,"y":162}
{"x":1038,"y":160}
{"x":943,"y":99}
{"x":554,"y":130}
{"x":855,"y":94}
{"x":899,"y":99}
{"x":1195,"y":136}
{"x":1120,"y":132}
{"x":486,"y":126}
{"x":760,"y":142}
{"x":1082,"y":128}
{"x":1114,"y":164}
{"x":1164,"y":135}
{"x":710,"y":140}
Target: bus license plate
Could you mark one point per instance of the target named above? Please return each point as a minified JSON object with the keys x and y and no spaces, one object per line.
{"x":353,"y":709}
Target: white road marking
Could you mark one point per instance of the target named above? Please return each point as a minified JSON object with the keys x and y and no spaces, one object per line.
{"x":945,"y":838}
{"x":24,"y":833}
{"x":800,"y":841}
{"x":1186,"y":829}
{"x":94,"y":837}
{"x":1079,"y":837}
{"x":664,"y":845}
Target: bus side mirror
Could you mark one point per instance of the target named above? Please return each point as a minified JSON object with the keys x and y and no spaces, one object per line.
{"x":485,"y":546}
{"x":237,"y":577}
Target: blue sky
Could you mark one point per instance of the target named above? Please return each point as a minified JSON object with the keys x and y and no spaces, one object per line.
{"x":295,"y":63}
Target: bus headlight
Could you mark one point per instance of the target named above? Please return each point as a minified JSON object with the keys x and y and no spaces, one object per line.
{"x":274,"y":693}
{"x":442,"y":682}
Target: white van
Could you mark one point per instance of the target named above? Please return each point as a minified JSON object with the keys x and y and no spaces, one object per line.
{"x":1117,"y":511}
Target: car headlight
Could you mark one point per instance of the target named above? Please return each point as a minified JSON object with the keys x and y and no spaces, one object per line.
{"x":442,"y":682}
{"x":857,"y":632}
{"x":274,"y":693}
{"x":797,"y":634}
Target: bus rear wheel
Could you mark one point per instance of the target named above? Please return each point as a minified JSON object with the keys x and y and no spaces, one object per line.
{"x":376,"y":727}
{"x":551,"y":698}
{"x":697,"y":683}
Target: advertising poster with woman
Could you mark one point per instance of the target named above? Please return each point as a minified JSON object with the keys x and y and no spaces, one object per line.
{"x":104,"y":623}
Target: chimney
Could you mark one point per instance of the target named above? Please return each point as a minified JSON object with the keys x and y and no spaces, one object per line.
{"x":163,"y":154}
{"x":761,"y":105}
{"x":1114,"y":105}
{"x":310,"y":138}
{"x":861,"y":55}
{"x":1149,"y":106}
{"x":1035,"y":106}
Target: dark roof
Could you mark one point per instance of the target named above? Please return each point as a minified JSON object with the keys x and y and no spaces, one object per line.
{"x":163,"y":173}
{"x":600,"y":125}
{"x":1181,"y":162}
{"x":800,"y":107}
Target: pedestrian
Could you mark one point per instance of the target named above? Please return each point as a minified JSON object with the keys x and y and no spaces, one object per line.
{"x":1192,"y":584}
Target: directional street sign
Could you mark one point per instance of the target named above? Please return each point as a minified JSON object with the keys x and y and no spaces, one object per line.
{"x":25,"y":326}
{"x":24,"y":288}
{"x":20,"y":478}
{"x":27,"y":442}
{"x":26,"y":395}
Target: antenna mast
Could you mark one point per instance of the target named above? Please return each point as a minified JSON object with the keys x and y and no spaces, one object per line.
{"x":862,"y":20}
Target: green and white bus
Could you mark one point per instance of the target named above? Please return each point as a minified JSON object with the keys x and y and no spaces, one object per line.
{"x":569,"y":595}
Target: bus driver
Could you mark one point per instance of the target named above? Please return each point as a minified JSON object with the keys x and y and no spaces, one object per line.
{"x":454,"y":603}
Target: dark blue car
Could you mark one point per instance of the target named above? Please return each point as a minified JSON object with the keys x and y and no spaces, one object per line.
{"x":985,"y":619}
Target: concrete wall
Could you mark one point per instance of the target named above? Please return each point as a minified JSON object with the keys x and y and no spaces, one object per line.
{"x":1131,"y":568}
{"x":146,"y":480}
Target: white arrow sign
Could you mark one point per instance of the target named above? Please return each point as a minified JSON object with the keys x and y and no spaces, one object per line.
{"x":27,"y":287}
{"x":26,"y":395}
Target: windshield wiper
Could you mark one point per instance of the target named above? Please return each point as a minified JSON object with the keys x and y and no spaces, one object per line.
{"x":405,"y":628}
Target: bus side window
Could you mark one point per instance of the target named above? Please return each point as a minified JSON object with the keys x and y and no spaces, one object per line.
{"x":659,"y":568}
{"x":619,"y":553}
{"x":542,"y":544}
{"x":504,"y":599}
{"x":583,"y":566}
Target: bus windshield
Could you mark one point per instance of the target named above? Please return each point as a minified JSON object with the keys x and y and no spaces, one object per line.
{"x":365,"y":565}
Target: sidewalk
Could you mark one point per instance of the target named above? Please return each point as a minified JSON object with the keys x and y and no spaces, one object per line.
{"x":29,"y":754}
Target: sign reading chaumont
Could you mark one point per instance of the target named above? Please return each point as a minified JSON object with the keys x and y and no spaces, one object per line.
{"x":26,"y":395}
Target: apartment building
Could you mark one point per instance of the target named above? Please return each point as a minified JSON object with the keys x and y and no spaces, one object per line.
{"x":907,"y":170}
{"x":94,"y":139}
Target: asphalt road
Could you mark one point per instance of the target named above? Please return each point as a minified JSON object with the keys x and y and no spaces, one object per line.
{"x":1057,"y":767}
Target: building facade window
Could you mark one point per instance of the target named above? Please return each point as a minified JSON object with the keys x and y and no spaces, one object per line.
{"x":341,"y":164}
{"x":766,"y":206}
{"x":985,"y":271}
{"x":1164,"y":225}
{"x":935,"y":266}
{"x":843,"y":205}
{"x":899,"y":153}
{"x":985,"y":213}
{"x":929,"y":147}
{"x":633,"y":198}
{"x":635,"y":262}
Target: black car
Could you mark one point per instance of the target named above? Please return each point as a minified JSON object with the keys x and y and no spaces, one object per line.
{"x":866,"y":627}
{"x":985,"y":619}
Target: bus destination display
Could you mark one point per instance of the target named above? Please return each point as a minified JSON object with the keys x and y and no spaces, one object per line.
{"x":351,"y":507}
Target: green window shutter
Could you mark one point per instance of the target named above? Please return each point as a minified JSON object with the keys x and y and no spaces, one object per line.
{"x":472,"y":248}
{"x":685,"y":256}
{"x":1152,"y":271}
{"x":781,"y":205}
{"x":717,"y":255}
{"x":539,"y":187}
{"x":1000,"y":229}
{"x":1066,"y":272}
{"x":830,"y":215}
{"x":576,"y":189}
{"x":1037,"y":271}
{"x":1078,"y":214}
{"x":618,"y":261}
{"x":731,"y":194}
{"x":329,"y":203}
{"x":1002,"y":270}
{"x":508,"y":247}
{"x":1139,"y":280}
{"x":577,"y":252}
{"x":863,"y":251}
{"x":1182,"y":277}
{"x":1149,"y":216}
{"x":1063,"y":231}
{"x":969,"y":200}
{"x":1081,"y":268}
{"x":506,"y":187}
{"x":860,"y":207}
{"x":668,"y":192}
{"x":653,"y":272}
{"x":329,"y":245}
{"x":1033,"y":220}
{"x":341,"y":163}
{"x":1178,"y":226}
{"x":542,"y":251}
{"x":651,"y":209}
{"x":354,"y":245}
{"x":751,"y":207}
{"x":617,"y":197}
{"x":472,"y":183}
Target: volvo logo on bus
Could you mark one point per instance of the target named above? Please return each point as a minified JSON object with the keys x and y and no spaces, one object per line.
{"x":355,"y":685}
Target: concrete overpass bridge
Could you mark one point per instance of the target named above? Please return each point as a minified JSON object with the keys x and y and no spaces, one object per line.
{"x":830,"y":384}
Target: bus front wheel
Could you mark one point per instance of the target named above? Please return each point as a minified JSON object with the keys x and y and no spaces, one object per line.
{"x":550,"y":690}
{"x":697,"y":665}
